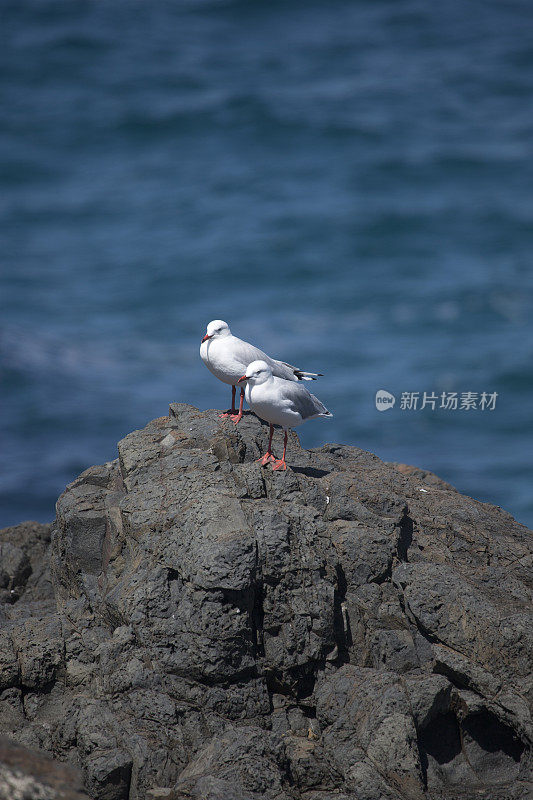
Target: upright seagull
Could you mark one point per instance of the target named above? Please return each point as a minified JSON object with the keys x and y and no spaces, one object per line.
{"x":227,"y":357}
{"x":279,"y":402}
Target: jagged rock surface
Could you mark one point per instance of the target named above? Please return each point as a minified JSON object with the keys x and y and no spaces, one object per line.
{"x":211,"y":629}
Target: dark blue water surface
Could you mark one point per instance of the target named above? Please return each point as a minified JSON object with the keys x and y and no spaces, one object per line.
{"x":348,"y":184}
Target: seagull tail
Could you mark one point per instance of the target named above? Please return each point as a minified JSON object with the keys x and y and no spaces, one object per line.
{"x":307,"y":376}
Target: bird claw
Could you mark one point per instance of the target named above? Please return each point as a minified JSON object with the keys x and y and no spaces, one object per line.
{"x":266,"y":458}
{"x":235,"y":418}
{"x":279,"y":464}
{"x":227,"y":414}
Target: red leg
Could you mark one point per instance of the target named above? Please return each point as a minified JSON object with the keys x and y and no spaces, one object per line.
{"x":236,"y":417}
{"x":232,"y":410}
{"x":268,"y":455}
{"x":281,"y":463}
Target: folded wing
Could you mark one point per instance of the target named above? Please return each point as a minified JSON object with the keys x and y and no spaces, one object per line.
{"x":303,"y":402}
{"x":247,"y":353}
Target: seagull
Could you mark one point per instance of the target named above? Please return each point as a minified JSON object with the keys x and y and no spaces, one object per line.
{"x":227,"y":357}
{"x":279,"y":402}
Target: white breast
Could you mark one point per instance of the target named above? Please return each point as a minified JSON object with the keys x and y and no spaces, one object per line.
{"x":219,"y":358}
{"x":267,"y":403}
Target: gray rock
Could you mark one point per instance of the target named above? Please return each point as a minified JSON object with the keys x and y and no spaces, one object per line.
{"x":24,"y":568}
{"x":201,"y":627}
{"x":248,"y":762}
{"x":30,"y":775}
{"x":15,"y":569}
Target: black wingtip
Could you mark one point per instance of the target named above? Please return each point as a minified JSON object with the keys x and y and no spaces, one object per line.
{"x":305,"y":376}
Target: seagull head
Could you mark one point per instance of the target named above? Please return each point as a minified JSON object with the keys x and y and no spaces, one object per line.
{"x":257,"y":372}
{"x":217,"y":329}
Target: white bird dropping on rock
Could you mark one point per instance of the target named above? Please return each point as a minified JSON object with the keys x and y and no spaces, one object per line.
{"x":227,"y":357}
{"x":279,"y":402}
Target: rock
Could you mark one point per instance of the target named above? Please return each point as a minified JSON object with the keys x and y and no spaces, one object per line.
{"x":24,"y":563}
{"x":367,"y":722}
{"x":200,"y":627}
{"x":244,"y":762}
{"x":30,"y":775}
{"x":15,"y":570}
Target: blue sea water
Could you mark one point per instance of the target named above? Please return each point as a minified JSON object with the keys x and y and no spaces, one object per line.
{"x":348,"y":184}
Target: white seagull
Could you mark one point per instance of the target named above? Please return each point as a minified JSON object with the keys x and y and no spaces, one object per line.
{"x":227,"y":357}
{"x":279,"y":402}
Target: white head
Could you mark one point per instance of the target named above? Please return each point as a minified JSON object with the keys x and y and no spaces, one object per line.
{"x":216,"y":330}
{"x":257,"y":372}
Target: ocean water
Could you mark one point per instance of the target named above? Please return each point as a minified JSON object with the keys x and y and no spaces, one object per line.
{"x":348,"y":184}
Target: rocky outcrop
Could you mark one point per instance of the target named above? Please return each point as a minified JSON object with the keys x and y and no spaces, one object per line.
{"x":31,"y":775}
{"x":212,"y":629}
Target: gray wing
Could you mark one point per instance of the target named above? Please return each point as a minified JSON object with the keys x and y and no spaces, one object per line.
{"x":282,"y":370}
{"x":247,"y":353}
{"x":305,"y":403}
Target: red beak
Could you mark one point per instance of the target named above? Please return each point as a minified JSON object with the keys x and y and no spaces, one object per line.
{"x":243,"y":378}
{"x":206,"y":337}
